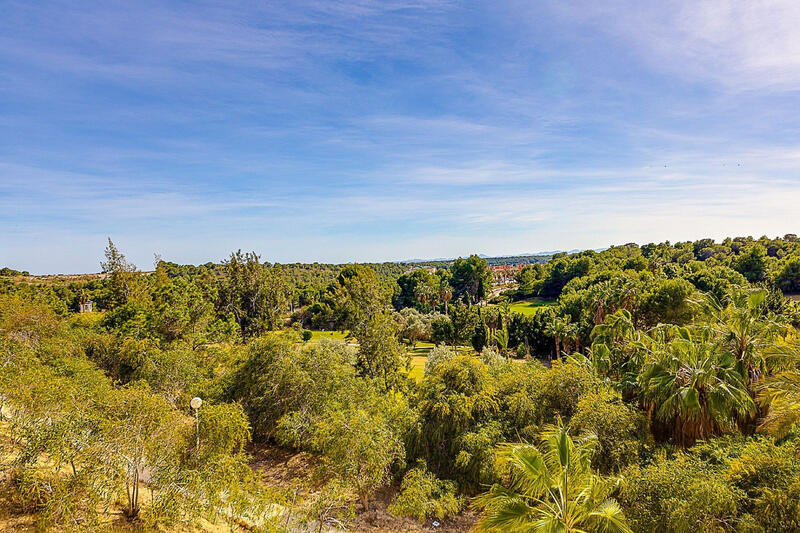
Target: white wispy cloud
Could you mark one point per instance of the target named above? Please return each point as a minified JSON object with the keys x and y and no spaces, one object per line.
{"x":740,"y":45}
{"x":391,"y":129}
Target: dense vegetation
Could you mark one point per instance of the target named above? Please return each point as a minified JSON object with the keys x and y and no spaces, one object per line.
{"x":659,"y":390}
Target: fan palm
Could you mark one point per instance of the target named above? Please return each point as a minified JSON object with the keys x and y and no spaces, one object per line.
{"x":552,"y":489}
{"x":558,"y":328}
{"x":694,"y":387}
{"x":745,"y":328}
{"x":780,"y":393}
{"x":501,"y":339}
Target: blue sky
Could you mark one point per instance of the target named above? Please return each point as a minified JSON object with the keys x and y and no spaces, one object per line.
{"x":385,"y":130}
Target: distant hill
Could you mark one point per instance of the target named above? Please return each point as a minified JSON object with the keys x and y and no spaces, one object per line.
{"x":524,"y":258}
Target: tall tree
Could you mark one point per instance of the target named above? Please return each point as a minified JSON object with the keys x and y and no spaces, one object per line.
{"x":471,"y":278}
{"x":745,"y":328}
{"x":356,"y":297}
{"x":380,"y":354}
{"x":257,"y":295}
{"x":751,"y":262}
{"x":121,"y":275}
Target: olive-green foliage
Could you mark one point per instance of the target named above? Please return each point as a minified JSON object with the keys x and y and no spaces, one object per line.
{"x":223,"y":429}
{"x":76,"y":391}
{"x":356,"y":296}
{"x":666,"y":301}
{"x":706,"y":505}
{"x":788,"y":275}
{"x":457,"y":399}
{"x":311,"y":397}
{"x":769,"y":475}
{"x":122,"y":275}
{"x":471,"y":279}
{"x":80,"y":443}
{"x":519,"y":400}
{"x":751,"y":262}
{"x":561,"y":388}
{"x":278,"y":378}
{"x":418,"y":289}
{"x":381,"y":357}
{"x":422,"y":495}
{"x":532,"y":395}
{"x":438,"y":355}
{"x":652,"y":494}
{"x":359,"y":445}
{"x":331,"y":505}
{"x":256,"y":295}
{"x":442,"y":331}
{"x":720,"y":281}
{"x":563,"y":269}
{"x":414,"y":326}
{"x":26,"y":321}
{"x":621,"y":430}
{"x":726,"y":484}
{"x":531,"y":333}
{"x":490,"y":357}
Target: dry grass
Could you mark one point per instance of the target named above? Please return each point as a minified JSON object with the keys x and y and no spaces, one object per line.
{"x":285,"y":468}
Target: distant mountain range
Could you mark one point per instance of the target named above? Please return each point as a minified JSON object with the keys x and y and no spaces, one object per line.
{"x":542,"y":255}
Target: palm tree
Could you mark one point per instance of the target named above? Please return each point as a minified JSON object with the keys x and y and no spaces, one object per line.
{"x":445,"y":295}
{"x":613,"y":344}
{"x":693,"y":387}
{"x":616,"y":329}
{"x":558,"y":329}
{"x":552,"y":489}
{"x":780,"y":394}
{"x":744,"y":328}
{"x":501,"y":339}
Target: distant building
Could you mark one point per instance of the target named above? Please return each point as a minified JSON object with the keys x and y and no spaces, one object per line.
{"x":87,"y":306}
{"x":502,"y":274}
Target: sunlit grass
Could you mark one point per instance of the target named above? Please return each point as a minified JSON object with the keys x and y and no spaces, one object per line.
{"x":530,"y":307}
{"x":317,"y":335}
{"x":417,"y":367}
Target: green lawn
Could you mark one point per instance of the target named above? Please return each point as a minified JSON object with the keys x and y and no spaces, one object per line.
{"x":423,"y":348}
{"x":417,"y":367}
{"x":317,"y":336}
{"x":530,"y":307}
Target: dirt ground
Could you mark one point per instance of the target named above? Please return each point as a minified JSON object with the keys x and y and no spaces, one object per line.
{"x":283,"y":468}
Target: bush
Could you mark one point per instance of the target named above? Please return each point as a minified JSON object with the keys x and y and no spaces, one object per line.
{"x":490,"y":357}
{"x":560,"y":389}
{"x":423,"y":495}
{"x":621,"y":430}
{"x":708,"y":505}
{"x":769,"y":475}
{"x":437,"y":356}
{"x":651,"y":495}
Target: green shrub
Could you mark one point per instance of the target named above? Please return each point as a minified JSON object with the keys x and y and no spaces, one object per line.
{"x":560,"y":389}
{"x":621,"y":430}
{"x":707,"y":505}
{"x":423,"y":495}
{"x":438,"y":355}
{"x":652,"y":496}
